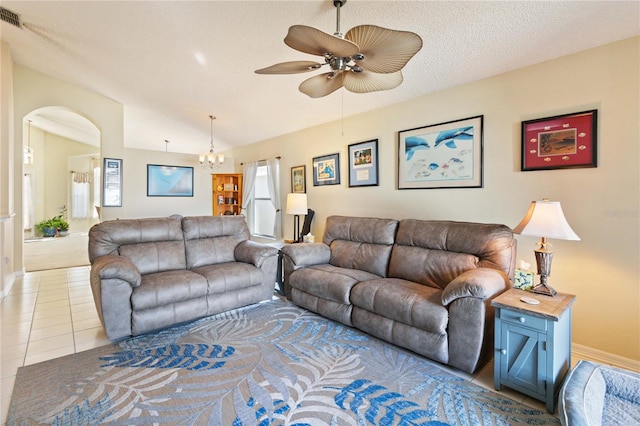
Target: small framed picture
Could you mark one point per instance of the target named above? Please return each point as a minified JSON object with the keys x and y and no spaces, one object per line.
{"x":298,"y":179}
{"x":363,"y":163}
{"x":112,"y":182}
{"x":560,"y":142}
{"x":326,"y":170}
{"x":444,"y":155}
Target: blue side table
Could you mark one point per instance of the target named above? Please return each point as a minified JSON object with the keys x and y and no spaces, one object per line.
{"x":532,"y":343}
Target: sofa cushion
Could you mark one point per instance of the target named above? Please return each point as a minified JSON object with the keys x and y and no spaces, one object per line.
{"x":147,"y":320}
{"x":230,"y":276}
{"x":431,"y":345}
{"x":166,"y":288}
{"x":404,"y":301}
{"x":328,"y":282}
{"x":107,"y":237}
{"x":441,"y":250}
{"x":155,"y":256}
{"x":433,"y":268}
{"x":360,"y":243}
{"x":327,"y":308}
{"x":212,"y":239}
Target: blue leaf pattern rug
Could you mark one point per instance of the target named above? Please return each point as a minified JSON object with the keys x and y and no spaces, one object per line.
{"x":267,"y":364}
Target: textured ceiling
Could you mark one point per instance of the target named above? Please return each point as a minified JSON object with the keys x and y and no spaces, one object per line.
{"x":173,"y":63}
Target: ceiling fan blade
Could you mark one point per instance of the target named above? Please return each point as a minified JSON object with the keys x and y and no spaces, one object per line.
{"x":316,"y":42}
{"x":293,"y":67}
{"x":365,"y":82}
{"x":384,"y":50}
{"x":321,"y":85}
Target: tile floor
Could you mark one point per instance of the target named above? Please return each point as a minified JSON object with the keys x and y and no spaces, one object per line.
{"x":46,"y":315}
{"x":49,"y":314}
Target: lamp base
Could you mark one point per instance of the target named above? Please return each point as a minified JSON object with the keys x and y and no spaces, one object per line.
{"x":543,"y":259}
{"x":544,"y":290}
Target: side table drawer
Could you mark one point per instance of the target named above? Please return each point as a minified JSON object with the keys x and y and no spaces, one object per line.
{"x":525,"y":320}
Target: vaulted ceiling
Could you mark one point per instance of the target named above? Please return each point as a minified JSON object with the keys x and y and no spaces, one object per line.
{"x":173,"y":63}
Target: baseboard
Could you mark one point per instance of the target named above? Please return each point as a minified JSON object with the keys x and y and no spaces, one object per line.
{"x":602,"y":357}
{"x":11,"y":281}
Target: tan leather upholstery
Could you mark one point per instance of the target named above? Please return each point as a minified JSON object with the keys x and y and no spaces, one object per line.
{"x":423,"y":285}
{"x":148,"y":274}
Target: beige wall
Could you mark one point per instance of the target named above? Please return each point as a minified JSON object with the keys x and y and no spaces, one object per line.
{"x":7,"y":211}
{"x":34,"y":90}
{"x":601,"y":204}
{"x":135,"y":202}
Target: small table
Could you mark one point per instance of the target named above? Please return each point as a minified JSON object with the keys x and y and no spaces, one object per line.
{"x":532,"y":343}
{"x":279,"y":284}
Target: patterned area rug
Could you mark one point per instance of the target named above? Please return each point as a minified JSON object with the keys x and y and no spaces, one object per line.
{"x":267,"y":364}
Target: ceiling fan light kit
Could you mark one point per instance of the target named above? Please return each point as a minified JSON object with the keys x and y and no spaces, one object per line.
{"x":368,"y":59}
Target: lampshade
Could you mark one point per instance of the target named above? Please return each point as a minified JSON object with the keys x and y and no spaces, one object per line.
{"x":546,"y":219}
{"x":296,"y":204}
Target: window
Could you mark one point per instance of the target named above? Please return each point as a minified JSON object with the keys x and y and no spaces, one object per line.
{"x":263,"y":212}
{"x":27,"y":201}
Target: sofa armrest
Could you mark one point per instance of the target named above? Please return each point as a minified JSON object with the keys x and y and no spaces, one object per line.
{"x":116,"y":267}
{"x":113,"y":279}
{"x":581,"y":398}
{"x":254,"y":253}
{"x":307,"y":254}
{"x":481,"y":283}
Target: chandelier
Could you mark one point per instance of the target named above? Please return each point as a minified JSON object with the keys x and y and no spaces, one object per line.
{"x":208,"y":159}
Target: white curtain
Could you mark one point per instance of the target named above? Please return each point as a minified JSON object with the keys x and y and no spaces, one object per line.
{"x":273,"y":174}
{"x":27,"y":201}
{"x":80,"y":195}
{"x":249,"y":170}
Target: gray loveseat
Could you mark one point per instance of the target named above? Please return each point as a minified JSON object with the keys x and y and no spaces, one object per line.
{"x":423,"y":285}
{"x":149,"y":274}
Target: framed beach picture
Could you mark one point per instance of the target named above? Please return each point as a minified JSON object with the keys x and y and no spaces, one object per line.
{"x":298,"y":179}
{"x":444,"y":155}
{"x":560,"y":142}
{"x":326,"y":170}
{"x":169,"y":181}
{"x":363,"y":163}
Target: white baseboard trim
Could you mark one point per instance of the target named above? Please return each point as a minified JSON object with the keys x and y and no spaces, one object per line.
{"x":11,"y":280}
{"x":596,"y":355}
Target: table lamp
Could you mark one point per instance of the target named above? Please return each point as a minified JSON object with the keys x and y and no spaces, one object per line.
{"x":296,"y":205}
{"x":546,"y":220}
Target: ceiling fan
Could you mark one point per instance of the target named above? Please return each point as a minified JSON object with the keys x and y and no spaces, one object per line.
{"x":368,"y":59}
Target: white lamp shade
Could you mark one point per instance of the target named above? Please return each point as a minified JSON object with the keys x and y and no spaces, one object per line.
{"x":546,"y":219}
{"x":296,"y":204}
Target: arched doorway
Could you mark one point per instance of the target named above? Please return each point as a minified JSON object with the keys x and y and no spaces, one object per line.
{"x":61,"y":177}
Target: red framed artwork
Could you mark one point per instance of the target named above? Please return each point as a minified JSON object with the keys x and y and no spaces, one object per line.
{"x":560,"y":142}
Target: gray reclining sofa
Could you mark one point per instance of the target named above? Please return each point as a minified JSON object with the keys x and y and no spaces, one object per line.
{"x":149,"y":274}
{"x":422,"y":285}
